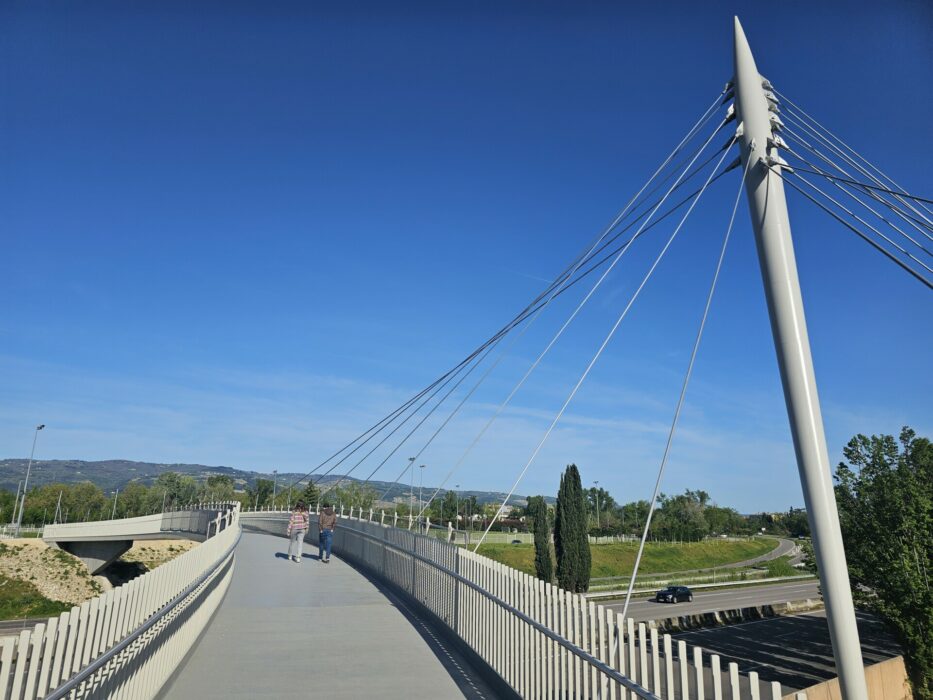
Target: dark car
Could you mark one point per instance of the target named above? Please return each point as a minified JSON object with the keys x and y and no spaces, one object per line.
{"x":674,"y":594}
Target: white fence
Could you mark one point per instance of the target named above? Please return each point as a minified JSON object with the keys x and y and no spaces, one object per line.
{"x":543,"y":641}
{"x":9,"y":531}
{"x":126,"y":642}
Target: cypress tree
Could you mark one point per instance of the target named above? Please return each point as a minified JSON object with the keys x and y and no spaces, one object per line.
{"x":570,"y":534}
{"x":310,"y":495}
{"x":544,"y":566}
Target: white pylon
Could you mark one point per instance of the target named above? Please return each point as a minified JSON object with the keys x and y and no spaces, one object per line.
{"x":768,"y":207}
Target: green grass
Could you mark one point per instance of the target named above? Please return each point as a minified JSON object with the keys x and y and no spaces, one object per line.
{"x":782,"y":567}
{"x":19,"y":599}
{"x":618,"y":559}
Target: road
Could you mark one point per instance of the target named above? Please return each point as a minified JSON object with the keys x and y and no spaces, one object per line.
{"x":12,"y":628}
{"x":728,"y":599}
{"x":794,"y":650}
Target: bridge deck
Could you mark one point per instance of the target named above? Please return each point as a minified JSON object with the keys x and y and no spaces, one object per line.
{"x":287,"y":630}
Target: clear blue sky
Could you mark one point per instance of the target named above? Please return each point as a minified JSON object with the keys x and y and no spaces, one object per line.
{"x":238,"y":233}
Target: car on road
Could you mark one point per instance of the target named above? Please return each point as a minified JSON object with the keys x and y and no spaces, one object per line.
{"x":674,"y":594}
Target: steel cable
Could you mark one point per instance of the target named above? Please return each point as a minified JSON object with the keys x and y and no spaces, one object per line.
{"x":605,"y":343}
{"x":683,"y":392}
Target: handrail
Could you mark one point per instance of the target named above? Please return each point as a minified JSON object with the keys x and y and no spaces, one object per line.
{"x":75,"y":681}
{"x":569,"y":646}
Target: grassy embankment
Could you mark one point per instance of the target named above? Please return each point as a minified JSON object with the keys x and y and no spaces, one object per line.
{"x":618,"y":559}
{"x":40,"y":581}
{"x":19,"y":599}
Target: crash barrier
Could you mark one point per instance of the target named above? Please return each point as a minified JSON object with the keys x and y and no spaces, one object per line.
{"x":543,"y":641}
{"x":128,"y":641}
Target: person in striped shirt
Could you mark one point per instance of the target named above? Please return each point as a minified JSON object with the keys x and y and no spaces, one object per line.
{"x":297,"y":527}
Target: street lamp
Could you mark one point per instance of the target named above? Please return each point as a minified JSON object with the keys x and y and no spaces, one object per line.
{"x":420,"y":486}
{"x":597,"y":504}
{"x":457,"y":514}
{"x":35,"y":437}
{"x":411,"y":488}
{"x":275,"y":479}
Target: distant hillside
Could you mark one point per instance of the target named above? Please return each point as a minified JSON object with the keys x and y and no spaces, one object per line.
{"x":114,"y":474}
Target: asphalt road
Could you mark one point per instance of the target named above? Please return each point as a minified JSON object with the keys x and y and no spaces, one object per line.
{"x":794,"y":650}
{"x":724,"y":599}
{"x":12,"y":628}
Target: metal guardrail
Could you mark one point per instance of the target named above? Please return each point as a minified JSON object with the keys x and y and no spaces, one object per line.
{"x":126,"y":642}
{"x":721,"y":584}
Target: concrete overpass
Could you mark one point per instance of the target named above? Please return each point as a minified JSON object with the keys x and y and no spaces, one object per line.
{"x":98,"y":544}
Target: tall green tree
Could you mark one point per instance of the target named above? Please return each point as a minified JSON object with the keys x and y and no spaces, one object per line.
{"x":218,"y":487}
{"x":570,"y":533}
{"x":261,"y":494}
{"x":544,"y":564}
{"x":885,"y":496}
{"x":311,"y":495}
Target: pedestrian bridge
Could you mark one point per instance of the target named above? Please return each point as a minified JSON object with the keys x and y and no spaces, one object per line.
{"x":395,"y":614}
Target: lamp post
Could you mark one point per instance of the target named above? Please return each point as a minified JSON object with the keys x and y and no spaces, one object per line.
{"x":420,"y":487}
{"x":19,"y":485}
{"x":35,"y":437}
{"x":116,"y":495}
{"x":457,"y":514}
{"x":275,"y":479}
{"x":411,"y":487}
{"x":597,"y":504}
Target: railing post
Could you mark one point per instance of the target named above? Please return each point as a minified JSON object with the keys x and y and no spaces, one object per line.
{"x":450,"y":531}
{"x":395,"y":519}
{"x":382,"y":518}
{"x":370,"y":514}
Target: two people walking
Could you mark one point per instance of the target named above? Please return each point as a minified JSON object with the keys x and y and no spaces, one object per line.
{"x":298,"y":526}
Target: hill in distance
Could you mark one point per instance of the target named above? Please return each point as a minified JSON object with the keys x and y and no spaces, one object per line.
{"x":113,"y":474}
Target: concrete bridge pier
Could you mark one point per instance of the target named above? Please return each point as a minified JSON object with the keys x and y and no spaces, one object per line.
{"x":96,"y":555}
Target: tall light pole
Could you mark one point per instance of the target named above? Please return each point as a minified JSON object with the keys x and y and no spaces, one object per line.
{"x":597,"y":504}
{"x":457,"y":514}
{"x":35,"y":437}
{"x":756,"y":126}
{"x":420,"y":486}
{"x":19,"y":485}
{"x":116,"y":495}
{"x":275,"y":478}
{"x":411,"y":487}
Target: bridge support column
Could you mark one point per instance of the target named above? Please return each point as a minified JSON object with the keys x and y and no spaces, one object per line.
{"x":97,"y":555}
{"x":765,"y":191}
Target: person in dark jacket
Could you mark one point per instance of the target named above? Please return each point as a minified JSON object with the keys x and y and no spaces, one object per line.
{"x":328,"y":523}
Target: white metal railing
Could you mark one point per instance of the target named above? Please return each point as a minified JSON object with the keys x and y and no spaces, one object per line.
{"x":128,"y":641}
{"x":9,"y":531}
{"x":543,"y":641}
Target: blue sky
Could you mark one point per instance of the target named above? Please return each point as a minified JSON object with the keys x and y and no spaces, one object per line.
{"x":240,"y":233}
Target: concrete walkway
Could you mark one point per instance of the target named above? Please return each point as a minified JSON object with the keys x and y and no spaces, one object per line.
{"x":289,"y":630}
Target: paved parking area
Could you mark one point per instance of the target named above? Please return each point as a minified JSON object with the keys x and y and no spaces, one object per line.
{"x":795,"y":651}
